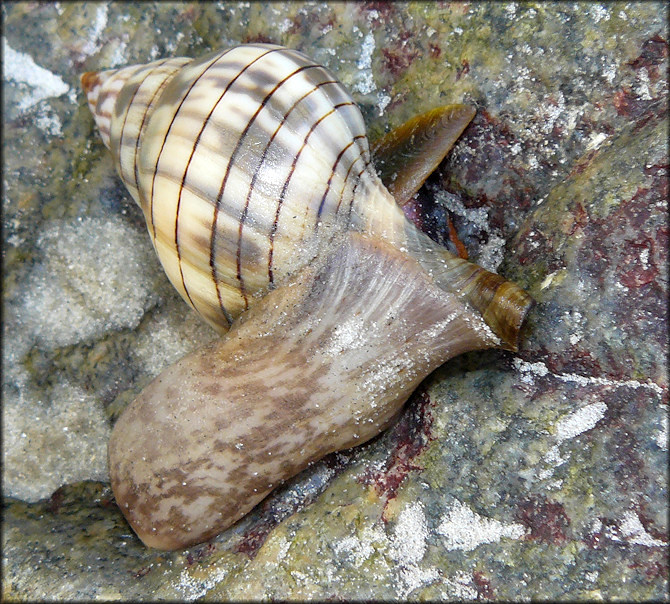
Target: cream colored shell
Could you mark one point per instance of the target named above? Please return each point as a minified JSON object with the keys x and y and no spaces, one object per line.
{"x":244,"y":162}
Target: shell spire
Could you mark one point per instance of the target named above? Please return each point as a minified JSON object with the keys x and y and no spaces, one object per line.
{"x":121,"y":101}
{"x":102,"y":89}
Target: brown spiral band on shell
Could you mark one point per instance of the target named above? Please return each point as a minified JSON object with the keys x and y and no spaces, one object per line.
{"x":133,"y":101}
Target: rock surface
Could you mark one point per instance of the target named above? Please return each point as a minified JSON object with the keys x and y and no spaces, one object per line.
{"x":538,"y":475}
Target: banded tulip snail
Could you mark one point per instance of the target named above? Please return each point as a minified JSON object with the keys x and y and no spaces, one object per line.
{"x":254,"y":173}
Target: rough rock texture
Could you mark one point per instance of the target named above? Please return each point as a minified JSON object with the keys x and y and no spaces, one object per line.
{"x":541,"y":475}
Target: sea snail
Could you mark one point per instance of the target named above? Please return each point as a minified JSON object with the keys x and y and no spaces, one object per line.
{"x":254,"y":173}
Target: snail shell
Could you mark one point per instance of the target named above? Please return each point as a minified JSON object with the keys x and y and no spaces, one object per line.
{"x":254,"y":173}
{"x":248,"y":153}
{"x":244,"y":163}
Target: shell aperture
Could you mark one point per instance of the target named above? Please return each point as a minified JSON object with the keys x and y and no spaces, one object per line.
{"x":255,"y":177}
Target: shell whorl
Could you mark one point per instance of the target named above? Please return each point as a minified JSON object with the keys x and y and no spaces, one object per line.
{"x":238,"y":160}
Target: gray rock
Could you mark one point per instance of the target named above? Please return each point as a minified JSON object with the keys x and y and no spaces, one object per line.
{"x":540,"y":475}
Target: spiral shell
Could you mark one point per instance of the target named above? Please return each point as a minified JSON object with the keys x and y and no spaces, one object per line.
{"x":243,"y":161}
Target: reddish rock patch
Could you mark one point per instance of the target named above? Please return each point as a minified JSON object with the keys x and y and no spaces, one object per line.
{"x":200,"y":553}
{"x":483,"y":586}
{"x":411,"y":436}
{"x":546,"y":520}
{"x":400,"y":54}
{"x":654,"y":52}
{"x":464,"y":69}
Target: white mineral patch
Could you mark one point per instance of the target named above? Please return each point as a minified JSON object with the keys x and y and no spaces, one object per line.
{"x":662,"y":434}
{"x":408,"y":544}
{"x":609,"y":72}
{"x":476,"y":216}
{"x":119,"y":57}
{"x":528,"y":370}
{"x":194,"y":587}
{"x":568,"y":427}
{"x":631,"y":528}
{"x":20,"y":68}
{"x":92,"y":43}
{"x":539,"y":369}
{"x":353,"y":547}
{"x":579,"y":421}
{"x":412,"y":577}
{"x":644,"y":258}
{"x":491,"y":254}
{"x":556,"y":111}
{"x":464,"y":530}
{"x":285,"y":25}
{"x":282,"y":548}
{"x":595,"y":140}
{"x":553,"y":459}
{"x":596,"y":526}
{"x":599,"y":12}
{"x":171,"y":45}
{"x":546,"y":282}
{"x":49,"y":443}
{"x":49,"y":122}
{"x":642,"y":85}
{"x":359,"y":549}
{"x":365,"y":81}
{"x":92,"y":276}
{"x":383,"y":100}
{"x":460,"y":587}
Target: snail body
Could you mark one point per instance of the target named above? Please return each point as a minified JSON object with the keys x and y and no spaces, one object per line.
{"x":255,"y":177}
{"x":319,"y":365}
